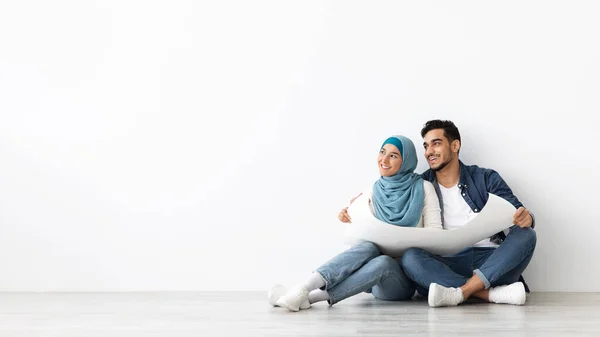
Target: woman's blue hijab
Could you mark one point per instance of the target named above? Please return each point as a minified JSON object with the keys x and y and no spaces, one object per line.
{"x":399,"y":199}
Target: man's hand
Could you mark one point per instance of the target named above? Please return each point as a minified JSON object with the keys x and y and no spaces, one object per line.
{"x":522,"y":218}
{"x":343,"y":216}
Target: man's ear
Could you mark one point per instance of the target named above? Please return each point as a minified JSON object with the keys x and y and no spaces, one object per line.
{"x":455,"y":146}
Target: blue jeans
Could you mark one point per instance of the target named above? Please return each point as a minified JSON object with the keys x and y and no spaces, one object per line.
{"x":494,"y":266}
{"x":362,"y":268}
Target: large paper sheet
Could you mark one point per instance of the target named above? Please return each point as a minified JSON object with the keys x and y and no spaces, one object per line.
{"x":393,"y":240}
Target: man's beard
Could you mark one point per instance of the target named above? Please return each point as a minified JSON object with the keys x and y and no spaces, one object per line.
{"x":441,"y":167}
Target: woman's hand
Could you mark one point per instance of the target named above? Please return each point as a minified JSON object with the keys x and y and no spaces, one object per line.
{"x":351,"y":201}
{"x":343,"y":216}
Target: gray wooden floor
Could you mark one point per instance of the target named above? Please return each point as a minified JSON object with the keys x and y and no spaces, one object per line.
{"x":249,"y":314}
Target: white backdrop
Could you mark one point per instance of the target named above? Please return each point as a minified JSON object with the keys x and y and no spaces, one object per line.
{"x":186,"y":145}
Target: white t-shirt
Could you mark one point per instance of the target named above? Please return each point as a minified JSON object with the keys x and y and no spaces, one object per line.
{"x":457,"y":212}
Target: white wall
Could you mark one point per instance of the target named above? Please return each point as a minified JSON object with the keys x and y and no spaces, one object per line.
{"x":185,"y":145}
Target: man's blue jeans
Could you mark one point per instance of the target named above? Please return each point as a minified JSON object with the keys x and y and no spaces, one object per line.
{"x":362,"y":268}
{"x":494,"y":266}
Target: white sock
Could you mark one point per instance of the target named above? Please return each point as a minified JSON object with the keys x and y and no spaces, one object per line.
{"x":297,"y":297}
{"x":294,"y":299}
{"x":315,"y":281}
{"x":277,"y":291}
{"x":509,"y":294}
{"x":318,"y":295}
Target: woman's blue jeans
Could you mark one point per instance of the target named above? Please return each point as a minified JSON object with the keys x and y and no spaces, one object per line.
{"x":362,"y":268}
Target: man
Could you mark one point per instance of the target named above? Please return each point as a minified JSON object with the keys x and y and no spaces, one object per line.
{"x":491,"y":269}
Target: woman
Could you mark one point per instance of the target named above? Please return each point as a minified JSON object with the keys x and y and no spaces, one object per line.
{"x":399,"y":197}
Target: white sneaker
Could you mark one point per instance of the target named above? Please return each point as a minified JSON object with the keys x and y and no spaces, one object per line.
{"x":509,"y":294}
{"x":275,"y":293}
{"x":440,"y":296}
{"x":295,"y":299}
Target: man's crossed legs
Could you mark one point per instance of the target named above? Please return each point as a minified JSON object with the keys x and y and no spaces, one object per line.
{"x":487,"y":273}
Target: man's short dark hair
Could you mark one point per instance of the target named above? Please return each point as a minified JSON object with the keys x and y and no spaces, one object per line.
{"x":450,"y":130}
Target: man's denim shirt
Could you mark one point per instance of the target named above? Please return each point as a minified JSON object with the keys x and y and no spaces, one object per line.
{"x":475,"y":183}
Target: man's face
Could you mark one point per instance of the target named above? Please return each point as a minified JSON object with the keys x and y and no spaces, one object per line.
{"x":438,"y":149}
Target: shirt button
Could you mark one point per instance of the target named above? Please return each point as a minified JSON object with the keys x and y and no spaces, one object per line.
{"x":459,"y":185}
{"x":464,"y":194}
{"x":476,"y":210}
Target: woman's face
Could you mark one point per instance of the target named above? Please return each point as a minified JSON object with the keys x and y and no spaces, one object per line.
{"x":389,"y":160}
